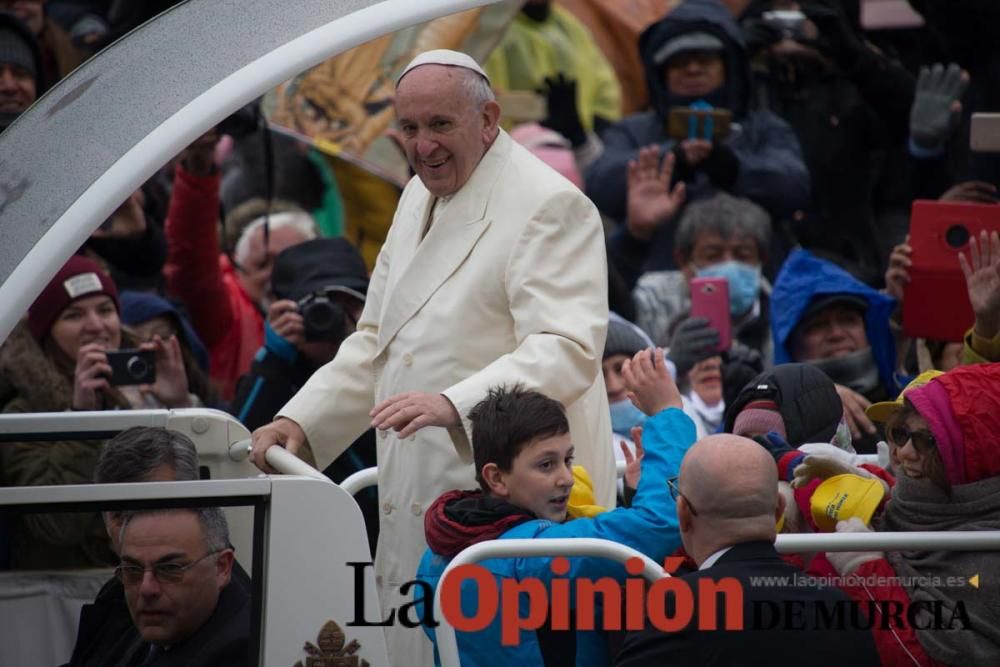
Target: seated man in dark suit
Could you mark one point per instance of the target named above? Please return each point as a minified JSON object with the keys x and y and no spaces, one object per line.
{"x":727,"y":506}
{"x":176,"y":568}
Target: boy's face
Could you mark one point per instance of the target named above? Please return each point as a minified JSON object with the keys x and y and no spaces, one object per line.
{"x":540,"y":478}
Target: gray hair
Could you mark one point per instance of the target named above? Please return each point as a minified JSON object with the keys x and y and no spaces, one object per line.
{"x":298,"y":220}
{"x":476,"y":88}
{"x":212,"y":520}
{"x":133,"y":454}
{"x":725,"y":215}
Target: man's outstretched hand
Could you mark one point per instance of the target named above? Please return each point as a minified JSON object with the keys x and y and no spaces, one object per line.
{"x":408,"y":413}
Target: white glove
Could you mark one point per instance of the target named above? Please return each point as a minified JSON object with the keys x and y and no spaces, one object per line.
{"x":828,"y":462}
{"x":848,"y":562}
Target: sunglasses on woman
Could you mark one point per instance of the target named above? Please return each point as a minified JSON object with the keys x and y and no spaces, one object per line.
{"x":923,"y":441}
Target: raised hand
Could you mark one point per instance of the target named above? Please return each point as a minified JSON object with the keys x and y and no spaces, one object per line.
{"x":648,"y":382}
{"x":897,"y":276}
{"x":651,"y":201}
{"x":982,"y":277}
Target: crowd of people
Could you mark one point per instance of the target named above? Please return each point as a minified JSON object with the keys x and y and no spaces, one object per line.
{"x":534,"y":306}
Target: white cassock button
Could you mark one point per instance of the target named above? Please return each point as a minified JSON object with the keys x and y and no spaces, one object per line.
{"x":416,"y":509}
{"x":387,"y":508}
{"x":407,"y":359}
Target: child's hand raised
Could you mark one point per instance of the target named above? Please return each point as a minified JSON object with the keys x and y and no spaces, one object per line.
{"x":633,"y":462}
{"x":648,"y":382}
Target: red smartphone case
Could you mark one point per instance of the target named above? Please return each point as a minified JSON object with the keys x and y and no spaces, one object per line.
{"x":710,"y":299}
{"x":936,"y":302}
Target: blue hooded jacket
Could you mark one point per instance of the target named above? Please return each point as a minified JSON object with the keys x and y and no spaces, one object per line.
{"x":802,"y":278}
{"x":138,"y":307}
{"x":650,"y":526}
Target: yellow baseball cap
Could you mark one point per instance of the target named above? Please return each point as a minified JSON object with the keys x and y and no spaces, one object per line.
{"x":883,"y":411}
{"x":844,"y":496}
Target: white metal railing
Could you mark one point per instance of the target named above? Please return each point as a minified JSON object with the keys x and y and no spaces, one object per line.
{"x":447,"y":644}
{"x":360,"y":480}
{"x":280,"y":459}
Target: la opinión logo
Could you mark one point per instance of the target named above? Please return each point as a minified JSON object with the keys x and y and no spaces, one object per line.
{"x":636,"y":602}
{"x":572,"y":603}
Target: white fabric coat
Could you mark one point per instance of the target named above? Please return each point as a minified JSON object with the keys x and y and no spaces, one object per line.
{"x":508,"y":285}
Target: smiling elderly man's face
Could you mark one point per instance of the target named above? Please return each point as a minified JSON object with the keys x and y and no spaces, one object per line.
{"x":444,"y":133}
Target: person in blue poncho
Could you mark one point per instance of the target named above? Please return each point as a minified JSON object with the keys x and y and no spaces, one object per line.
{"x":823,"y":315}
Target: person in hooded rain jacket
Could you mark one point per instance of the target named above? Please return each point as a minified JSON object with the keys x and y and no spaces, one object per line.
{"x":760,"y":159}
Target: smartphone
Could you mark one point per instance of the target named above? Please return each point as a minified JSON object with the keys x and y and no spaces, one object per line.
{"x":710,"y":299}
{"x":709,"y":124}
{"x":132,"y":366}
{"x":936,"y":301}
{"x":984,"y":136}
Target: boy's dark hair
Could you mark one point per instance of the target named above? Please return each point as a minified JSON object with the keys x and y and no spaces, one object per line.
{"x":509,"y":419}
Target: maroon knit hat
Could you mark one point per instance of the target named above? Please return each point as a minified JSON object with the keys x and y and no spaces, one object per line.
{"x":78,"y":278}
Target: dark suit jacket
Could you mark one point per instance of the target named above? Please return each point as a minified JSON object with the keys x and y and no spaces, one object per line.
{"x":106,"y":635}
{"x":783,"y":622}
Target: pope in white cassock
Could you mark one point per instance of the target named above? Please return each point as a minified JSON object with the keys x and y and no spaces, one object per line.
{"x":494,"y":272}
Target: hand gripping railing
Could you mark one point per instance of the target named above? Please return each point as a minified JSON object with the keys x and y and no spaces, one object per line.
{"x":447,"y":643}
{"x":278,"y":458}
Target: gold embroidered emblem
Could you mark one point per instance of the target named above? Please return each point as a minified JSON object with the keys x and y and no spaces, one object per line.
{"x":330,"y":651}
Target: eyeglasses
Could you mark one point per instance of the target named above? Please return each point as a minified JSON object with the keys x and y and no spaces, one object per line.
{"x":675,"y":492}
{"x":165,"y":573}
{"x":923,"y":441}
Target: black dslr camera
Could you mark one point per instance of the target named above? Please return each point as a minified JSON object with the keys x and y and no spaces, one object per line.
{"x":132,"y":367}
{"x":325,"y":319}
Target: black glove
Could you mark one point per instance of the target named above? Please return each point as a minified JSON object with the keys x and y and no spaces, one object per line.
{"x":563,"y":116}
{"x":693,"y":341}
{"x":759,"y":35}
{"x":846,"y":46}
{"x":722,"y":167}
{"x":740,"y":365}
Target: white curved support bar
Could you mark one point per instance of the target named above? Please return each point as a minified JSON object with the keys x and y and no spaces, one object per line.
{"x":584,"y":546}
{"x":360,"y":480}
{"x":951,"y":540}
{"x":280,"y":459}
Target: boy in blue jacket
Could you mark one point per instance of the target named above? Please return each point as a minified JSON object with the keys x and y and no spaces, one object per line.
{"x":523,"y":455}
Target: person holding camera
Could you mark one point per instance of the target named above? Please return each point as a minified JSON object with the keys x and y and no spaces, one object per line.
{"x":72,"y":353}
{"x":849,"y":106}
{"x":319,"y":289}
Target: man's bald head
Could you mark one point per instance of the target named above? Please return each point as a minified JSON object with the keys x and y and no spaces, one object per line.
{"x":732,"y":483}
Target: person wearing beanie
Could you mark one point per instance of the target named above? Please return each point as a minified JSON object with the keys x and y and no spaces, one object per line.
{"x":623,"y":341}
{"x":944,"y":433}
{"x":149,"y":315}
{"x":21,"y":80}
{"x":56,"y":360}
{"x":59,"y":56}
